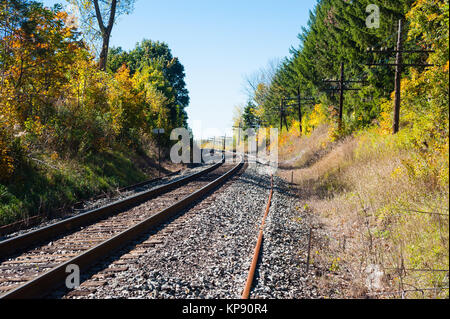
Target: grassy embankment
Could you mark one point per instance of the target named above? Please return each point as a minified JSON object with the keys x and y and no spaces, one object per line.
{"x":49,"y":186}
{"x":384,"y":206}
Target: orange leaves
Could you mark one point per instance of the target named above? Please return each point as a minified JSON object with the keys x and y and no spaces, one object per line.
{"x":37,"y":58}
{"x":61,"y":15}
{"x":54,"y":99}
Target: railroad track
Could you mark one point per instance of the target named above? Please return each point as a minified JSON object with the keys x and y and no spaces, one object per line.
{"x":7,"y":230}
{"x":30,"y":270}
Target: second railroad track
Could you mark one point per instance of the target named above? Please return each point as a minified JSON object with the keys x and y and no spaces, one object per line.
{"x":32,"y":265}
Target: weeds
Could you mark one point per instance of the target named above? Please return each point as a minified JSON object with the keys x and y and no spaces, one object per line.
{"x":388,"y":202}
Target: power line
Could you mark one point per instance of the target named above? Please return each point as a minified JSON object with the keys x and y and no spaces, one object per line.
{"x":342,"y":86}
{"x":399,"y":67}
{"x":299,"y":98}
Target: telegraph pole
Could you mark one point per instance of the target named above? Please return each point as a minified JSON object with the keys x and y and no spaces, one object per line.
{"x":239,"y":132}
{"x":341,"y":88}
{"x":281,"y":115}
{"x":398,"y":78}
{"x":341,"y":95}
{"x":299,"y":108}
{"x":399,"y":68}
{"x":299,"y":100}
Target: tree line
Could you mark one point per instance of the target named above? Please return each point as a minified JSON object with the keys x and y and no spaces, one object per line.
{"x":337,"y":32}
{"x":58,"y":99}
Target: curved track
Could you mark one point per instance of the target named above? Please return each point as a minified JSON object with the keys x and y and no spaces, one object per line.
{"x":86,"y":239}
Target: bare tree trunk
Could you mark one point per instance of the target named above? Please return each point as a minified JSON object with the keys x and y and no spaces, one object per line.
{"x":104,"y":52}
{"x":106,"y":31}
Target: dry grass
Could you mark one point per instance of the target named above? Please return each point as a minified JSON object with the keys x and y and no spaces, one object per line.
{"x":365,"y":198}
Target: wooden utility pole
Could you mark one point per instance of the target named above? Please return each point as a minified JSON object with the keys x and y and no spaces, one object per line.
{"x":398,"y":78}
{"x":399,"y":68}
{"x":341,"y":96}
{"x":299,"y":100}
{"x":281,"y":116}
{"x":342,"y":87}
{"x":239,"y":132}
{"x":299,"y":109}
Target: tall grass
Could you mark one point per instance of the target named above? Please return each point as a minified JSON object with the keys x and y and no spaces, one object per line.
{"x":49,"y":187}
{"x":387,"y":201}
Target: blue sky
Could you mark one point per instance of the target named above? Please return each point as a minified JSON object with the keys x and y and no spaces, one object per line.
{"x":218,"y":42}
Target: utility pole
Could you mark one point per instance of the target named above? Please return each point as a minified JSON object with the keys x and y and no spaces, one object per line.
{"x":398,"y":78}
{"x":159,"y":132}
{"x":239,"y":132}
{"x":224,"y":143}
{"x":341,"y":95}
{"x":341,"y":88}
{"x":299,"y":100}
{"x":283,"y":115}
{"x":399,"y":68}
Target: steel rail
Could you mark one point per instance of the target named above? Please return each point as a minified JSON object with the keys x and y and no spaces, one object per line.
{"x":44,"y":284}
{"x":251,"y":274}
{"x":34,"y":220}
{"x":127,"y":188}
{"x":13,"y":245}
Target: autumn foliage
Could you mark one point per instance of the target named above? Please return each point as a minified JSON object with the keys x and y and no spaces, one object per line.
{"x":54,"y":100}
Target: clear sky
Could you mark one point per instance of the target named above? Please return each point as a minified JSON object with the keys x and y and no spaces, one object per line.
{"x":218,"y":42}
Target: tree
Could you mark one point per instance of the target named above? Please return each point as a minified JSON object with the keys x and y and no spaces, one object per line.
{"x":100,"y":11}
{"x":39,"y":49}
{"x":154,"y":59}
{"x":249,"y":117}
{"x":337,"y":32}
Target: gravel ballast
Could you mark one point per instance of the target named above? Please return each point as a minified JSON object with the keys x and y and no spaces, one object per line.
{"x":209,"y":254}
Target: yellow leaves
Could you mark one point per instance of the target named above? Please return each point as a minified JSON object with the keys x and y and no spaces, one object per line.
{"x":432,"y":16}
{"x":54,"y":156}
{"x":385,"y":123}
{"x":6,"y":161}
{"x":34,"y":126}
{"x":397,"y":172}
{"x":315,"y":119}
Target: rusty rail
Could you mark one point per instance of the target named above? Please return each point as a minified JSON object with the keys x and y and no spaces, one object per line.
{"x":251,"y":275}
